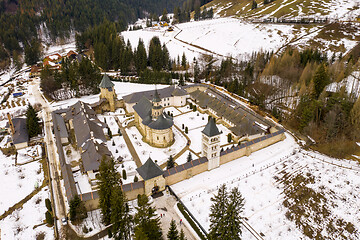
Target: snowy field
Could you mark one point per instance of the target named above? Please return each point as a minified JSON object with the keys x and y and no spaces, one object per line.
{"x":145,"y":151}
{"x":260,"y":178}
{"x":17,"y":181}
{"x":183,"y":158}
{"x":22,"y":223}
{"x":29,"y":154}
{"x":172,"y":110}
{"x":110,"y":121}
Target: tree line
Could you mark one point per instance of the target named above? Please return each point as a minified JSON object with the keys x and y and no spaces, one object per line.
{"x":83,"y":77}
{"x":22,"y":22}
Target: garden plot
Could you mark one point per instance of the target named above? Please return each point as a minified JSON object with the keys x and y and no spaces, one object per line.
{"x":17,"y":181}
{"x":267,"y":177}
{"x":29,"y":154}
{"x":120,"y":150}
{"x":161,"y":155}
{"x":111,"y":122}
{"x":92,"y":224}
{"x":172,"y":110}
{"x":21,"y":224}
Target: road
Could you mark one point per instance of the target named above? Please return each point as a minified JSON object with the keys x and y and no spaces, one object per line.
{"x":165,"y":207}
{"x":58,"y":201}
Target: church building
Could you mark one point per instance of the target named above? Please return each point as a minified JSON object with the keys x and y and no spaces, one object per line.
{"x":153,"y":123}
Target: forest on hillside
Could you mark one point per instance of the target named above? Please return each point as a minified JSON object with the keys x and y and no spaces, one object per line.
{"x":22,"y":23}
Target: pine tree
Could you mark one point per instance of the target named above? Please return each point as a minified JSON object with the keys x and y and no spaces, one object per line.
{"x":77,"y":209}
{"x":109,"y":132}
{"x":182,"y":235}
{"x":32,"y":122}
{"x":197,"y":11}
{"x":48,"y":205}
{"x":173,"y":233}
{"x":120,"y":215}
{"x":146,"y":220}
{"x":140,"y":57}
{"x":321,"y":79}
{"x":189,"y":157}
{"x":196,"y":71}
{"x":355,"y":115}
{"x":140,"y":234}
{"x":229,"y":138}
{"x":217,"y":212}
{"x":49,"y":218}
{"x":164,"y":17}
{"x":183,"y":61}
{"x":124,"y":174}
{"x":181,"y":80}
{"x":108,"y":178}
{"x":155,"y":54}
{"x":170,"y":162}
{"x":231,"y":229}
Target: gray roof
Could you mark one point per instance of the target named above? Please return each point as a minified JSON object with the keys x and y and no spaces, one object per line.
{"x":143,"y":107}
{"x":161,"y":123}
{"x":156,"y":96}
{"x":149,"y":170}
{"x":21,"y":133}
{"x":85,"y":123}
{"x":211,"y":129}
{"x":93,"y":154}
{"x":244,"y":119}
{"x":163,"y":93}
{"x":61,"y":126}
{"x":106,"y":82}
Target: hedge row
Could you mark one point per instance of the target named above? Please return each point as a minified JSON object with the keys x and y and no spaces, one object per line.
{"x":189,"y":219}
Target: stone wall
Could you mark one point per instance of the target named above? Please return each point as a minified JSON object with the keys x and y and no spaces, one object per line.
{"x":245,"y":149}
{"x":185,"y":171}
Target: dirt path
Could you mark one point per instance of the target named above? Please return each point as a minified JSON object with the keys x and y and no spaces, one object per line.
{"x":165,"y":206}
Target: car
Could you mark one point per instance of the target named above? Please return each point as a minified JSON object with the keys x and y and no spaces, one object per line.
{"x":64,"y":221}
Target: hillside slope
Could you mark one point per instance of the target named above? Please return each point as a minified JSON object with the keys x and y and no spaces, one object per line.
{"x":344,"y":9}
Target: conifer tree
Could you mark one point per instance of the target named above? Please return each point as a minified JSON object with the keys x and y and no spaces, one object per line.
{"x":231,"y":227}
{"x":217,"y":212}
{"x":182,"y":235}
{"x":147,"y":223}
{"x":32,"y":122}
{"x":155,"y":54}
{"x":120,"y":215}
{"x":321,"y":79}
{"x":181,"y":80}
{"x":196,"y":71}
{"x":254,"y":5}
{"x":173,"y":233}
{"x":197,"y":11}
{"x":108,"y":178}
{"x":77,"y":209}
{"x":164,"y":17}
{"x":170,"y":162}
{"x":189,"y":157}
{"x":183,"y":61}
{"x":140,"y":57}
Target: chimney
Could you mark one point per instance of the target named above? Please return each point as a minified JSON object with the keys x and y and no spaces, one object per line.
{"x":11,"y":124}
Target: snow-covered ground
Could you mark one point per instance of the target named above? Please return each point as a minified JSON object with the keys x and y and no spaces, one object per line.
{"x":183,"y":158}
{"x":21,"y":223}
{"x":255,"y":177}
{"x":110,"y":120}
{"x":17,"y":181}
{"x":29,"y":154}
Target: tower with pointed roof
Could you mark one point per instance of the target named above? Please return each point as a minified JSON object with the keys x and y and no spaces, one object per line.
{"x":211,"y":144}
{"x":107,"y":91}
{"x":157,"y":109}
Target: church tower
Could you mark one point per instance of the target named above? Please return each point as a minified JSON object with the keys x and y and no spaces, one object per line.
{"x":107,"y":91}
{"x":157,"y":109}
{"x":211,"y":144}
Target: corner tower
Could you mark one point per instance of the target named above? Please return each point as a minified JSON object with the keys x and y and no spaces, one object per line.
{"x":211,"y":144}
{"x":107,"y":91}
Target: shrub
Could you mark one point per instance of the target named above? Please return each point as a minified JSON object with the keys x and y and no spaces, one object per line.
{"x":124,"y":174}
{"x":48,"y":205}
{"x":186,"y":130}
{"x":136,"y":179}
{"x":49,"y":218}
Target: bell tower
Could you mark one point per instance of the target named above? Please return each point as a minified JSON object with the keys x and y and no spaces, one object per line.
{"x":107,"y":91}
{"x":211,"y":144}
{"x":157,"y":109}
